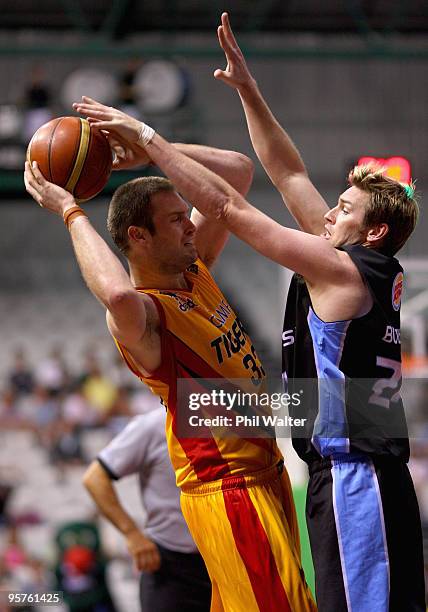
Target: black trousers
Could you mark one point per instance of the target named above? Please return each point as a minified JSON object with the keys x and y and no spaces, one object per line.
{"x":364,"y":527}
{"x":181,"y":584}
{"x":364,"y":523}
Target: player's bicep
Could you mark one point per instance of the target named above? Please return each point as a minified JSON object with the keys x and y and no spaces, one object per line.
{"x":126,"y":319}
{"x":210,"y":238}
{"x":304,"y":202}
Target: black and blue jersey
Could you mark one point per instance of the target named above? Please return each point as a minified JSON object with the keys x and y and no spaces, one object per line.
{"x":362,"y":512}
{"x":352,"y":368}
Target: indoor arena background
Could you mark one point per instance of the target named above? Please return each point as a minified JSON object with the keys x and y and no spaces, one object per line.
{"x":346,"y":81}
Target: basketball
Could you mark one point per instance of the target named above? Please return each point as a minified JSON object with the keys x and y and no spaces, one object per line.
{"x":73,"y":155}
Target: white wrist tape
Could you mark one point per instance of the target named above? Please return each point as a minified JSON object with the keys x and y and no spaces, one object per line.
{"x":145,"y":135}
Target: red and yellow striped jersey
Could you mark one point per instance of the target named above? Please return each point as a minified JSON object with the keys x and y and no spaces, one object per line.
{"x":202,"y":338}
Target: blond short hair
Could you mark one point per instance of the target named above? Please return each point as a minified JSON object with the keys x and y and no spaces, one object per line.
{"x":390,"y":202}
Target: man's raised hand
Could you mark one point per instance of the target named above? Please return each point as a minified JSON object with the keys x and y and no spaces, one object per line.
{"x":110,"y":119}
{"x":46,"y":194}
{"x":236,"y":74}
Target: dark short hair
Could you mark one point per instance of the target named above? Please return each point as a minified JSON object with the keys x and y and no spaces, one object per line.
{"x":390,"y":202}
{"x":131,"y":204}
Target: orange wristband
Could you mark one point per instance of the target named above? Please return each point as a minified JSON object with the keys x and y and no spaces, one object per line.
{"x":71,"y":214}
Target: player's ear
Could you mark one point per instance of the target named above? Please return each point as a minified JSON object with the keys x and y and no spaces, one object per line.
{"x":377,"y":233}
{"x":137,"y":234}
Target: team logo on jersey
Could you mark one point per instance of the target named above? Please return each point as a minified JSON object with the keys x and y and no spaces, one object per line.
{"x":397,"y":290}
{"x":184,"y":303}
{"x":193,"y":268}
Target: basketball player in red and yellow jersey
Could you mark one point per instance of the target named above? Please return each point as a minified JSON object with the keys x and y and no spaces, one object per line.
{"x":236,"y":495}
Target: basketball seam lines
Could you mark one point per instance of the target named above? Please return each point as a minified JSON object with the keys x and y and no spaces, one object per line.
{"x":49,"y":150}
{"x":76,"y":153}
{"x":81,"y":155}
{"x":82,"y":197}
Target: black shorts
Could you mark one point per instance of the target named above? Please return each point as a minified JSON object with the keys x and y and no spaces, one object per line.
{"x":181,"y":584}
{"x":366,"y":538}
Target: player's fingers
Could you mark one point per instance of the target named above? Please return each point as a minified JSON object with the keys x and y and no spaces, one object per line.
{"x":220,"y":37}
{"x":226,"y":26}
{"x":33,"y":192}
{"x":100,"y":125}
{"x":224,"y":43}
{"x":84,"y":109}
{"x":143,"y":562}
{"x":157,"y":561}
{"x":89,"y":100}
{"x":37,"y":174}
{"x":151,"y":561}
{"x":29,"y":176}
{"x":100,"y":113}
{"x":222,"y":75}
{"x":219,"y":74}
{"x":228,"y":32}
{"x":229,"y":46}
{"x":154,"y":562}
{"x":225,"y":22}
{"x":27,"y":171}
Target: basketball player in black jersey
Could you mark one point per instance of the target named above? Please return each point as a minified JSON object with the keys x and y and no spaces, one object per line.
{"x":343,"y":317}
{"x":342,"y":327}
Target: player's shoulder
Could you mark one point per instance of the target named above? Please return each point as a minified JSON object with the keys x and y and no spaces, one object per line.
{"x":371,"y":261}
{"x":199,"y":273}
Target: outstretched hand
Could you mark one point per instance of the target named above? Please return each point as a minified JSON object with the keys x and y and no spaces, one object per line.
{"x":108,"y":118}
{"x":236,"y":74}
{"x":46,"y":194}
{"x":122,"y":131}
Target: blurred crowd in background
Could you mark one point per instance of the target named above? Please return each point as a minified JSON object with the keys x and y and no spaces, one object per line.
{"x":53,"y":418}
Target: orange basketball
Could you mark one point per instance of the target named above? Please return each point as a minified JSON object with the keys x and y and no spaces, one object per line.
{"x":73,"y":155}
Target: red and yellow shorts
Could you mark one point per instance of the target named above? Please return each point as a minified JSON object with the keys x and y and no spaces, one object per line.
{"x":246,"y":530}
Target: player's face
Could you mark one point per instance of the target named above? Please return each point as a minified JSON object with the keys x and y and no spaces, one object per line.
{"x":173,"y":244}
{"x":344,"y":224}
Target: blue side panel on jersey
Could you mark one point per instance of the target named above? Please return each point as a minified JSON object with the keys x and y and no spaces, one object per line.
{"x":330,"y":435}
{"x":361,"y":534}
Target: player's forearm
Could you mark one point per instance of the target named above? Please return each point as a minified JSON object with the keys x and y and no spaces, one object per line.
{"x":101,"y":269}
{"x":204,"y":189}
{"x":282,"y":162}
{"x":101,"y":489}
{"x":237,"y":169}
{"x":274,"y":148}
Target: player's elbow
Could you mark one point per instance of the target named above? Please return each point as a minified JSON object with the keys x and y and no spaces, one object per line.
{"x":95,"y":478}
{"x":229,"y":209}
{"x":245,"y":171}
{"x":89,"y":477}
{"x":121,"y":299}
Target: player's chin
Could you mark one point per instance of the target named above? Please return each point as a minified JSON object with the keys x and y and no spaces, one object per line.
{"x":192,"y":253}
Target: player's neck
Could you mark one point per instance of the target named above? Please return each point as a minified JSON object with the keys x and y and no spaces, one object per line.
{"x":150,"y":278}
